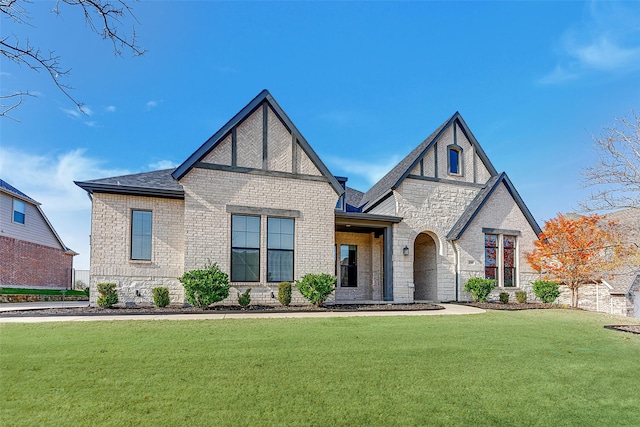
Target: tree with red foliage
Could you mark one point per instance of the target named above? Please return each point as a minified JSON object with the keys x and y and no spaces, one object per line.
{"x":580,"y":251}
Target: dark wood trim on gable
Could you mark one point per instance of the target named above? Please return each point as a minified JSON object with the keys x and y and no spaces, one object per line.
{"x":252,"y":171}
{"x":435,"y":159}
{"x":234,"y":146}
{"x":446,"y":181}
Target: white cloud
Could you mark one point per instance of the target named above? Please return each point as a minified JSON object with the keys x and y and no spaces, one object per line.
{"x":151,"y":104}
{"x":371,"y":172}
{"x":91,"y":123}
{"x":75,"y":114}
{"x":49,"y":180}
{"x":110,"y":109}
{"x":606,"y":41}
{"x":163,"y":164}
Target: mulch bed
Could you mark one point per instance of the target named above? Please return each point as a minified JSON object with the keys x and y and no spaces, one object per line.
{"x":516,"y":306}
{"x":634,"y":329}
{"x":98,"y":311}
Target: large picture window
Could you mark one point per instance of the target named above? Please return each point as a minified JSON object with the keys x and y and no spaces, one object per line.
{"x":245,"y":248}
{"x":141,"y":225}
{"x":280,"y":238}
{"x":18,"y":211}
{"x":500,"y":259}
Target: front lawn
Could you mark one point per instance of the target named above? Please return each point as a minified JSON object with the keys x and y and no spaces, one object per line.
{"x":537,"y":367}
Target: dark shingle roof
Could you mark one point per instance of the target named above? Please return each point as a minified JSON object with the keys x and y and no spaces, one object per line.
{"x":352,"y":197}
{"x":481,"y":198}
{"x":13,"y":190}
{"x":156,"y":184}
{"x":394,"y":178}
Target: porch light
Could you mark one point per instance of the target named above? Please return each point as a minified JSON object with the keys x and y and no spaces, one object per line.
{"x":405,"y":250}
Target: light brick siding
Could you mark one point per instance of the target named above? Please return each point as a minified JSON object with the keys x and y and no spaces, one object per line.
{"x":499,"y":212}
{"x":111,"y":247}
{"x":369,"y":267}
{"x":30,"y":264}
{"x":207,"y":225}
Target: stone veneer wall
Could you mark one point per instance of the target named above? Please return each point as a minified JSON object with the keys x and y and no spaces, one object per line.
{"x":207,"y":225}
{"x":432,"y":207}
{"x":596,"y":297}
{"x":111,"y":248}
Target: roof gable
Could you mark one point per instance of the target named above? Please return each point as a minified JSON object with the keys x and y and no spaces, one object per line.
{"x":395,"y":176}
{"x":481,"y":199}
{"x":152,"y":184}
{"x":13,"y":191}
{"x":250,"y":112}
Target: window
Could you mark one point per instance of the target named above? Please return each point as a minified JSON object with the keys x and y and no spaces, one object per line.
{"x":18,"y":211}
{"x":348,"y":266}
{"x":500,"y":259}
{"x":280,"y":249}
{"x":455,"y":160}
{"x":245,"y":248}
{"x":141,"y":235}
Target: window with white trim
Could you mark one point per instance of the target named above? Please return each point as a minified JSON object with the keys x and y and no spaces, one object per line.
{"x":500,"y":264}
{"x":19,"y":209}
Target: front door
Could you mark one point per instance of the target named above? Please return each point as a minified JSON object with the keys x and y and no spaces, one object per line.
{"x":348,"y":266}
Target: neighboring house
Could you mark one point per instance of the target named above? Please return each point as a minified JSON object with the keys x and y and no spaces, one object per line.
{"x":256,"y":199}
{"x":31,"y":252}
{"x":619,"y":294}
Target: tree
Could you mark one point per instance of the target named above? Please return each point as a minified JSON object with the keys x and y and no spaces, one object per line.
{"x":580,"y":251}
{"x":616,"y":175}
{"x":104,"y":17}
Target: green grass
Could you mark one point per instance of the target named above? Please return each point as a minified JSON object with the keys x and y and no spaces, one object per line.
{"x":22,"y":291}
{"x":538,"y":367}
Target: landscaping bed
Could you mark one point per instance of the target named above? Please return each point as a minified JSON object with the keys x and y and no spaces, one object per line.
{"x":634,"y":329}
{"x":516,"y":306}
{"x":98,"y":311}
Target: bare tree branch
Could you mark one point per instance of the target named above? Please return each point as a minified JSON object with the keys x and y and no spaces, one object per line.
{"x":104,"y":17}
{"x":615,"y":177}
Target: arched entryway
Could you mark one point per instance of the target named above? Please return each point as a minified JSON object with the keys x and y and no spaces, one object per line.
{"x":424,"y":268}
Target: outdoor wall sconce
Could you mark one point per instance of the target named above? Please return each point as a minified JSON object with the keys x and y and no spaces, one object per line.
{"x":405,"y":250}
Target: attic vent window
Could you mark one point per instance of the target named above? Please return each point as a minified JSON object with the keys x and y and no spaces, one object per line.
{"x":455,"y":160}
{"x":18,"y":211}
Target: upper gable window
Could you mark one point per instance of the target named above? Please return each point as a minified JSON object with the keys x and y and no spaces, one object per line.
{"x":18,"y":211}
{"x":454,"y":160}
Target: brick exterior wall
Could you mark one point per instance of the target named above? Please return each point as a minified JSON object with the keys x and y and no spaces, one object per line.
{"x":369,"y":267}
{"x":207,"y":225}
{"x":111,"y":247}
{"x":30,"y":264}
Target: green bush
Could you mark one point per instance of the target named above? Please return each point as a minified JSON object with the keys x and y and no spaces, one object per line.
{"x":86,"y":291}
{"x":284,"y":293}
{"x":546,"y":291}
{"x":479,"y":287}
{"x":521,"y":297}
{"x":316,"y":288}
{"x":504,"y":297}
{"x":244,"y":299}
{"x":161,"y":296}
{"x":206,"y":286}
{"x":108,"y":296}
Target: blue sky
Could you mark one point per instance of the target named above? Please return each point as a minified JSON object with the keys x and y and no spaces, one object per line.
{"x":365,"y":82}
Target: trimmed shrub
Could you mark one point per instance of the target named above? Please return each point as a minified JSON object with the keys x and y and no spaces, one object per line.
{"x":161,"y":296}
{"x":521,"y":297}
{"x":108,"y":296}
{"x":480,"y":288}
{"x":504,"y":297}
{"x":316,"y":288}
{"x":244,"y":299}
{"x":206,"y":286}
{"x":86,"y":291}
{"x":547,"y":291}
{"x":284,"y":293}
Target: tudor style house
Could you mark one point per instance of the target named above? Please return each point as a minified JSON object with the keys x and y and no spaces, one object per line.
{"x":256,"y":199}
{"x":31,"y":252}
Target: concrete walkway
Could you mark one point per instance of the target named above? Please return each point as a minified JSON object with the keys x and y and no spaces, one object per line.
{"x":449,"y":309}
{"x":16,"y":306}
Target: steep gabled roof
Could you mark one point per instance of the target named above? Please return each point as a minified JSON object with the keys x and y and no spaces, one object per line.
{"x":13,"y":191}
{"x":217,"y":138}
{"x":482,"y":197}
{"x":395,"y":176}
{"x":352,"y":197}
{"x":153,"y":184}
